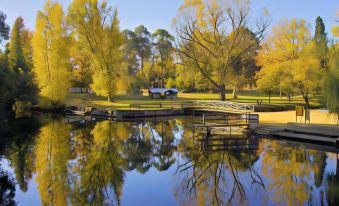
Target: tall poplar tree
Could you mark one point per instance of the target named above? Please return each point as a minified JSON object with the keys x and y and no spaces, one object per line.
{"x":51,"y":55}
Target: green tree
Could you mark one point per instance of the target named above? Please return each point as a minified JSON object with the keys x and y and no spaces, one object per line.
{"x":4,"y":35}
{"x":141,"y":52}
{"x":97,"y":29}
{"x":51,"y":55}
{"x":20,"y":64}
{"x":163,"y":46}
{"x":331,"y":80}
{"x":4,"y":28}
{"x":320,"y":39}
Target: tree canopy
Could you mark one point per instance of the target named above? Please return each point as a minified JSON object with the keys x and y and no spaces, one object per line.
{"x":211,"y":37}
{"x":51,"y":55}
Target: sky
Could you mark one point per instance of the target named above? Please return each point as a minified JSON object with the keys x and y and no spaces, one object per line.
{"x":156,"y":14}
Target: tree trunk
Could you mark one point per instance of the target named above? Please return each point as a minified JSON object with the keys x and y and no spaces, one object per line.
{"x":305,"y":96}
{"x":109,"y":98}
{"x":269,"y":96}
{"x":307,"y":102}
{"x":289,"y":97}
{"x":235,"y":92}
{"x":222,"y":92}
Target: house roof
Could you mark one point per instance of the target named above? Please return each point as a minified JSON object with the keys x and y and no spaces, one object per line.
{"x":162,"y":90}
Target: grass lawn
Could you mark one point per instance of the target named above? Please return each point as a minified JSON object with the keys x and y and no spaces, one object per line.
{"x":123,"y":101}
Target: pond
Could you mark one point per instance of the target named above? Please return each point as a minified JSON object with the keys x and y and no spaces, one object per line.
{"x":53,"y":160}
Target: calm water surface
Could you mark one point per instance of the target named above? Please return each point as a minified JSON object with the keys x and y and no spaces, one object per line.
{"x":49,"y":160}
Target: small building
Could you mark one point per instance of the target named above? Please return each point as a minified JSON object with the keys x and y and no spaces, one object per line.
{"x":163,"y":93}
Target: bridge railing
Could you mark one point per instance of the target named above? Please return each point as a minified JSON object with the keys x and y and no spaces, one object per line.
{"x":224,"y":106}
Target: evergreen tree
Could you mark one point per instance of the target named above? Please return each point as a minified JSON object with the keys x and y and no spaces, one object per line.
{"x":4,"y":34}
{"x":20,"y":64}
{"x":320,"y":39}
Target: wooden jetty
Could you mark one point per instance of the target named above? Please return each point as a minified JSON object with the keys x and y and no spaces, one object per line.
{"x":238,"y":143}
{"x":226,"y":123}
{"x":323,"y":134}
{"x":164,"y":109}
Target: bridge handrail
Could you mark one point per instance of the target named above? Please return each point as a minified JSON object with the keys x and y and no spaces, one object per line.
{"x":225,"y":105}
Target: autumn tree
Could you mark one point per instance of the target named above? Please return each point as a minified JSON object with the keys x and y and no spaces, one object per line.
{"x":96,"y":28}
{"x":211,"y":37}
{"x":81,"y":71}
{"x":289,"y":60}
{"x":51,"y":55}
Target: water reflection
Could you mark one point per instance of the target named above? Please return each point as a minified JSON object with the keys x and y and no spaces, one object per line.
{"x":213,"y":172}
{"x":87,"y":163}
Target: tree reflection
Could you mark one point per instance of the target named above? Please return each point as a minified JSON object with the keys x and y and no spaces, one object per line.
{"x":7,"y":189}
{"x":18,"y":142}
{"x":84,"y":163}
{"x":164,"y":148}
{"x":333,"y":186}
{"x":99,"y":176}
{"x":52,"y":154}
{"x":215,"y":178}
{"x":138,"y":149}
{"x":290,"y":171}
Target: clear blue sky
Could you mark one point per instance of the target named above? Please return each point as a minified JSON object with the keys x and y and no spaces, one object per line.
{"x":159,"y":13}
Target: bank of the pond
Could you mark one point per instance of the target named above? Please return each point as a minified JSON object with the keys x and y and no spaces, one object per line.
{"x":260,"y":102}
{"x":317,"y":117}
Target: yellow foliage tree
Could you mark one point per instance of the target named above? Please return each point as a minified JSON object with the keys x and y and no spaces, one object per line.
{"x":97,"y":30}
{"x":211,"y":37}
{"x":289,"y":61}
{"x":51,"y":55}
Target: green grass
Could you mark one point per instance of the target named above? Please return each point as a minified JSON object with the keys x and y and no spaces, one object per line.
{"x":123,"y":101}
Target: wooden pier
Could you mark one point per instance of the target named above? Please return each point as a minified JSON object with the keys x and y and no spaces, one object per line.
{"x":236,"y":143}
{"x":226,"y":123}
{"x":163,"y":109}
{"x":323,"y":134}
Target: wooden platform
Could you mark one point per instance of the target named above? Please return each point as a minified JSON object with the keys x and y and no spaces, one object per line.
{"x":328,"y":134}
{"x":217,"y":143}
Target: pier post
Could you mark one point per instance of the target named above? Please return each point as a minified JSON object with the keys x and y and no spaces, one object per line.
{"x":337,"y":143}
